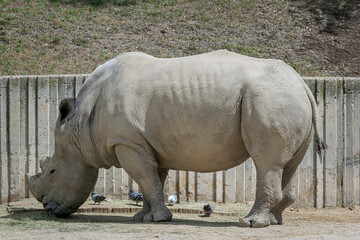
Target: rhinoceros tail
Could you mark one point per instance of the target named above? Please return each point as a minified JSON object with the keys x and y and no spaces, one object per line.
{"x":319,"y":144}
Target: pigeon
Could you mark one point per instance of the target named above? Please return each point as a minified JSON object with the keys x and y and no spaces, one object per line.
{"x":208,"y":209}
{"x":97,"y":198}
{"x":137,"y":197}
{"x":172,"y":199}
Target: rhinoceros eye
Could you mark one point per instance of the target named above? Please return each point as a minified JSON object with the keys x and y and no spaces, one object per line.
{"x":52,"y":171}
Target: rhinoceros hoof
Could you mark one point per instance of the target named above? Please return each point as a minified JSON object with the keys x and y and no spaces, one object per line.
{"x":139,"y":217}
{"x":254,"y":221}
{"x":158,"y":216}
{"x":275,"y":219}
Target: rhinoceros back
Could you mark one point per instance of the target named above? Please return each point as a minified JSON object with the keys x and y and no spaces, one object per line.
{"x":188,"y":109}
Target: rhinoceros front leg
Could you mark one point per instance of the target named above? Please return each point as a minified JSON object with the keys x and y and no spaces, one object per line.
{"x":141,"y":166}
{"x":146,"y":205}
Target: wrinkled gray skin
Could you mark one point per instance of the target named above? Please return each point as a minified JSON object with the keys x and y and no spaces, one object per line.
{"x":202,"y":113}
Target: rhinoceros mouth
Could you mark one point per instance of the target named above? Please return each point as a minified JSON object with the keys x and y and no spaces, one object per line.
{"x":59,"y":210}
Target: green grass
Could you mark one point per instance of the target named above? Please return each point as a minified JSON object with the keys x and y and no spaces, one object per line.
{"x":85,"y":33}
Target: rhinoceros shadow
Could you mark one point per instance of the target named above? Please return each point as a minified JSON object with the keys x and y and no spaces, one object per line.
{"x":105,"y":218}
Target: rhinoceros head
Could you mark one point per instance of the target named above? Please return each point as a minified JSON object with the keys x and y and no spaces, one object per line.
{"x":65,"y":181}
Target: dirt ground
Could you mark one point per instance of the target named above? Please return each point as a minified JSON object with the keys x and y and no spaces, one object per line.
{"x":336,"y":223}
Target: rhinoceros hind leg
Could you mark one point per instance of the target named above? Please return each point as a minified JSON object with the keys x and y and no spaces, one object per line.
{"x":288,"y":184}
{"x":141,"y":166}
{"x":145,"y":210}
{"x":272,"y":134}
{"x":146,"y":205}
{"x":268,"y":193}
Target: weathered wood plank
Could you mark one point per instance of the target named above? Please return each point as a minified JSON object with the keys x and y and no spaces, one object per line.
{"x":340,"y":144}
{"x":349,"y":146}
{"x":356,"y":141}
{"x":320,"y":166}
{"x":53,"y":111}
{"x":125,"y":188}
{"x":219,"y":190}
{"x":201,"y":187}
{"x":71,"y":93}
{"x":204,"y":187}
{"x":210,"y":196}
{"x":43,"y":119}
{"x":79,"y":80}
{"x":172,"y":183}
{"x":32,"y":124}
{"x":133,"y":185}
{"x":240,"y":183}
{"x":191,"y":186}
{"x":182,"y":187}
{"x":230,"y":185}
{"x":100,"y":183}
{"x":330,"y":117}
{"x":109,"y":181}
{"x":23,"y":134}
{"x":302,"y":182}
{"x":117,"y":182}
{"x":14,"y":137}
{"x":62,"y":88}
{"x":4,"y":157}
{"x":310,"y":186}
{"x":310,"y":158}
{"x":212,"y":187}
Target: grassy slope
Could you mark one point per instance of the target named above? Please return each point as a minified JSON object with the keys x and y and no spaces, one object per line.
{"x":57,"y":37}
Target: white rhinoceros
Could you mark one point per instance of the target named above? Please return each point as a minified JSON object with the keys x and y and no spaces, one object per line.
{"x":201,"y":113}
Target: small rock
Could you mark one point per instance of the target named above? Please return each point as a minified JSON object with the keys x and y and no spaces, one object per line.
{"x":292,"y":209}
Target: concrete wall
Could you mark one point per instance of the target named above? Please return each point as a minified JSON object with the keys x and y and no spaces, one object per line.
{"x":28,"y":112}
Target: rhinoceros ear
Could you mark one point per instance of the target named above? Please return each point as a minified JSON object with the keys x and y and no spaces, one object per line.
{"x":66,"y":107}
{"x":43,"y":163}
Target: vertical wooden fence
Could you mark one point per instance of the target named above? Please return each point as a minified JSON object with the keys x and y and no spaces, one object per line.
{"x":29,"y":108}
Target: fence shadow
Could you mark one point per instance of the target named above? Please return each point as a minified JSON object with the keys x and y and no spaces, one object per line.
{"x":89,"y":218}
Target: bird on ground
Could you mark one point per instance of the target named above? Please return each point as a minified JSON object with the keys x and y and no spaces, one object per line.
{"x":137,"y":197}
{"x":172,"y":199}
{"x":208,"y":209}
{"x":97,"y":198}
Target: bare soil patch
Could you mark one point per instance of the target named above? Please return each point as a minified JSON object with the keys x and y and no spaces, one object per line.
{"x":338,"y":223}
